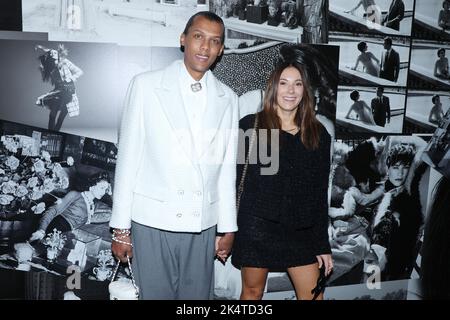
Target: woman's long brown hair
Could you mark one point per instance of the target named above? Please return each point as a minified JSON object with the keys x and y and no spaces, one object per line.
{"x":305,"y":117}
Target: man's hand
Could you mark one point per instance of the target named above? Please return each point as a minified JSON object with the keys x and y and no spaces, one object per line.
{"x":223,"y":245}
{"x":121,"y":250}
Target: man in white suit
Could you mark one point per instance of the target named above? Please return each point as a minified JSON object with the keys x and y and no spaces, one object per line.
{"x":176,"y":170}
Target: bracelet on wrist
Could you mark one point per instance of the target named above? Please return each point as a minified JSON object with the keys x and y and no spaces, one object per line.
{"x":122,"y":232}
{"x":121,"y":237}
{"x":122,"y":242}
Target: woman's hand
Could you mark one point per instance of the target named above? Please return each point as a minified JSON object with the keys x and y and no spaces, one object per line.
{"x":39,"y":47}
{"x":38,"y":235}
{"x":327,"y":261}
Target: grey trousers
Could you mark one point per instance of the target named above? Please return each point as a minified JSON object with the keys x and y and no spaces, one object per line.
{"x":173,"y":265}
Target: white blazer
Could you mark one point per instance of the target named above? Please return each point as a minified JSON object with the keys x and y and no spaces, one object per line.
{"x":160,"y":180}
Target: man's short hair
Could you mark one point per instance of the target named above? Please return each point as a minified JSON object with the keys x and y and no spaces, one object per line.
{"x":388,"y":40}
{"x":380,"y":88}
{"x":440,"y":50}
{"x":211,"y":16}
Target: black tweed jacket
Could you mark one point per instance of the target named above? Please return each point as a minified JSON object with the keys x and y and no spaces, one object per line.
{"x":297,"y":194}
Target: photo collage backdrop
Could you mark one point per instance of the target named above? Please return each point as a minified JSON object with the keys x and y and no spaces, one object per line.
{"x":105,"y":43}
{"x":392,"y":97}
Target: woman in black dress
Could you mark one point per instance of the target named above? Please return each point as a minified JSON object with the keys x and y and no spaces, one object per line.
{"x":62,"y":74}
{"x":283,"y":217}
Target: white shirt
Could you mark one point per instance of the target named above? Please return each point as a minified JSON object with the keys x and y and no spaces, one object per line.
{"x":385,"y":56}
{"x":194,"y":104}
{"x":90,"y":206}
{"x":388,"y":52}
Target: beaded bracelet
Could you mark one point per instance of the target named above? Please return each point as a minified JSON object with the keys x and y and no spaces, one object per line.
{"x":122,"y":231}
{"x":121,"y":238}
{"x":126,"y":235}
{"x":123,"y":242}
{"x":115,"y":230}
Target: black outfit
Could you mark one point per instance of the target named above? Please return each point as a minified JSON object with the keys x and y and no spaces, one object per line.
{"x":283,"y":218}
{"x":381,"y":110}
{"x":399,"y":239}
{"x":396,"y":10}
{"x":390,"y":65}
{"x":61,"y":95}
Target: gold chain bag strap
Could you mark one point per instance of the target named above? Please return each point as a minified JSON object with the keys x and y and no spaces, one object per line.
{"x":244,"y":171}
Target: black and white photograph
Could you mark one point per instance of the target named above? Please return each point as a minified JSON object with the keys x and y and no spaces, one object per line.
{"x":61,"y":86}
{"x":379,"y":199}
{"x":370,"y":110}
{"x":372,"y":60}
{"x":296,"y":21}
{"x":437,"y":152}
{"x":11,"y":15}
{"x":429,"y":65}
{"x":54,"y":208}
{"x":425,"y":110}
{"x":388,"y":17}
{"x":130,"y":23}
{"x":432,"y":20}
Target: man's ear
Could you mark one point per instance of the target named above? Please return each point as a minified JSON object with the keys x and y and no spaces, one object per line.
{"x":221,"y":50}
{"x":182,"y":39}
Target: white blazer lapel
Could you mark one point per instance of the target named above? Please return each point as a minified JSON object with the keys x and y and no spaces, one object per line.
{"x":216,"y":104}
{"x":172,"y":103}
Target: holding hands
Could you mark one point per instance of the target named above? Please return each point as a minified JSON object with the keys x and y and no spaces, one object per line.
{"x":223,"y":246}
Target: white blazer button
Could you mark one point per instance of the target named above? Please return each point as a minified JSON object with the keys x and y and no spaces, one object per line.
{"x":179,"y":215}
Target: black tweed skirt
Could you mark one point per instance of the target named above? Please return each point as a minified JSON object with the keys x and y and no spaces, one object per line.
{"x":262,"y":243}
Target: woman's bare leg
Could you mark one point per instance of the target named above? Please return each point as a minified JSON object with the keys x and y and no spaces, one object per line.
{"x":253,"y":283}
{"x":304,"y":279}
